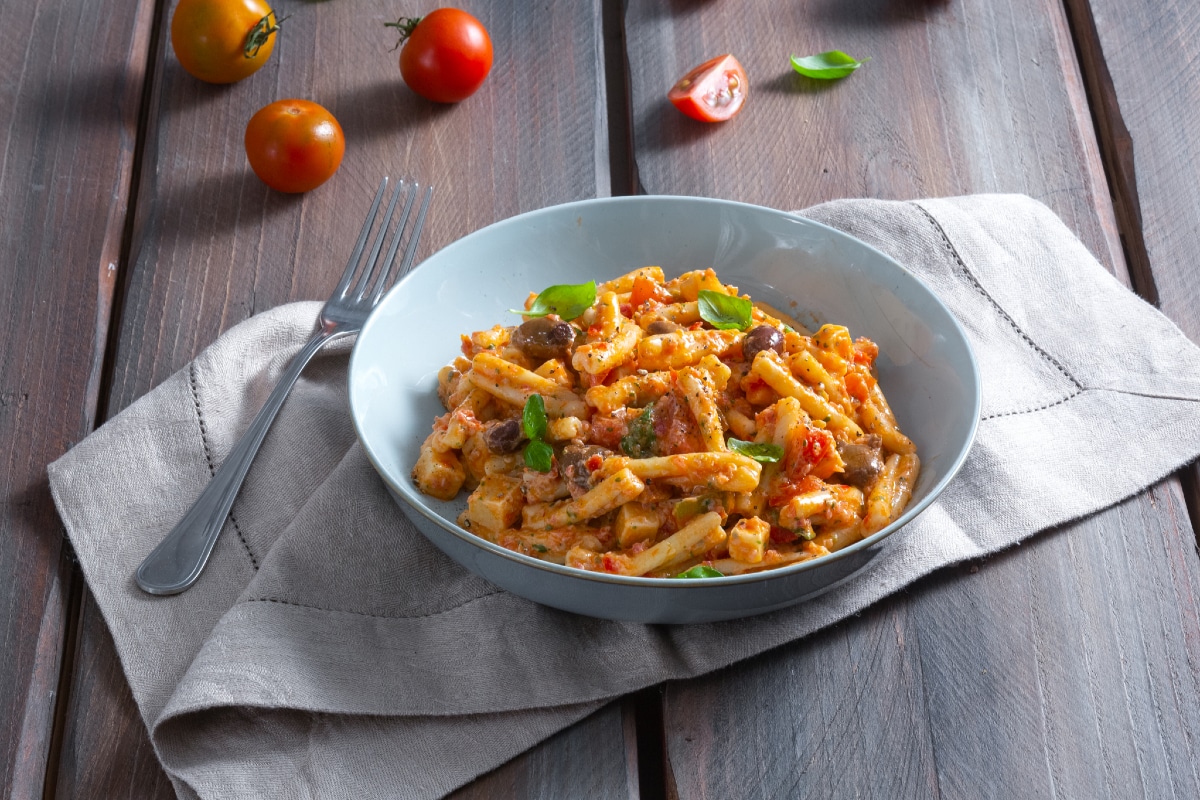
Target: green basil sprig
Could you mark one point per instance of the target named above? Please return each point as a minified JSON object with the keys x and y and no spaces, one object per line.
{"x":568,"y":300}
{"x":701,"y":571}
{"x":724,"y":311}
{"x":533,"y":418}
{"x":763,"y":452}
{"x":538,"y":455}
{"x":827,"y":66}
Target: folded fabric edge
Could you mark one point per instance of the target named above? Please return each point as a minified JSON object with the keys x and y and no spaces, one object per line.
{"x":418,"y":759}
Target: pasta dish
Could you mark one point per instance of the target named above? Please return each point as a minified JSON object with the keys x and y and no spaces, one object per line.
{"x":666,"y":428}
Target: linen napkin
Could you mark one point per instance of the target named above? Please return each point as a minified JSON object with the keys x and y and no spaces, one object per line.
{"x":329,"y":650}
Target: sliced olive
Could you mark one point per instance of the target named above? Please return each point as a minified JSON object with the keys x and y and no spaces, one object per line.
{"x":762,"y":337}
{"x":504,"y":437}
{"x":573,"y":463}
{"x":863,"y":460}
{"x":544,"y":338}
{"x":661,"y":326}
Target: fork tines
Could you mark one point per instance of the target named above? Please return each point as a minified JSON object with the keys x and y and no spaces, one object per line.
{"x":384,"y":272}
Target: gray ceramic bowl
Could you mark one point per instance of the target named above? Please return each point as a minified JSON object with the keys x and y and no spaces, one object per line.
{"x":822,"y":275}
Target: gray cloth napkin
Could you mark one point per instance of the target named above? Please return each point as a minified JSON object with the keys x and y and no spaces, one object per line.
{"x":330,"y":651}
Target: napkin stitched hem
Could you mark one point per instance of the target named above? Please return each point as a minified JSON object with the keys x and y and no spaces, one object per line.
{"x":212,"y":467}
{"x":375,"y":615}
{"x":978,"y":285}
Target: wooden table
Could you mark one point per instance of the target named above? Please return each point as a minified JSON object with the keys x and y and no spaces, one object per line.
{"x":134,"y":234}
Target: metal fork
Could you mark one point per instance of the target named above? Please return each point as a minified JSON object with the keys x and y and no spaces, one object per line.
{"x":180,"y":558}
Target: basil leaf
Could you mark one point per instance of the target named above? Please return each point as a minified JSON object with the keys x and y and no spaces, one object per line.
{"x":533,"y":418}
{"x":827,"y":66}
{"x":568,"y":300}
{"x":724,"y":311}
{"x":539,"y":456}
{"x":701,"y":571}
{"x":639,"y":442}
{"x":764,"y":452}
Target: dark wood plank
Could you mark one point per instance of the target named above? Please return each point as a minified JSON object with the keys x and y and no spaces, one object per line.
{"x":212,"y":245}
{"x":958,"y":98}
{"x":586,"y":760}
{"x":1034,"y":675}
{"x":1153,"y":123}
{"x":69,"y":118}
{"x":1147,"y":121}
{"x":115,"y":758}
{"x":1064,"y":689}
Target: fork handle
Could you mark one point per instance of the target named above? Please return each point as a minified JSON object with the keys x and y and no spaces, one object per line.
{"x":180,"y":558}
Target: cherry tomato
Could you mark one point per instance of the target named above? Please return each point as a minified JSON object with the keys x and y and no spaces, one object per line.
{"x":446,"y":55}
{"x":713,"y":91}
{"x":294,"y":145}
{"x":222,"y":41}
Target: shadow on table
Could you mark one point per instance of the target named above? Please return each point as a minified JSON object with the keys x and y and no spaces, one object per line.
{"x":875,"y":13}
{"x":385,"y":108}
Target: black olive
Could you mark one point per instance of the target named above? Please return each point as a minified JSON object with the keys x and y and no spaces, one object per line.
{"x":504,"y":437}
{"x":863,"y":460}
{"x":544,"y":338}
{"x":573,"y":463}
{"x":762,"y":337}
{"x":661,"y":326}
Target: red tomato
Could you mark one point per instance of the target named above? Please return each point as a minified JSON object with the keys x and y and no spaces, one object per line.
{"x":447,"y":53}
{"x":713,"y":91}
{"x":294,"y":145}
{"x":222,"y":41}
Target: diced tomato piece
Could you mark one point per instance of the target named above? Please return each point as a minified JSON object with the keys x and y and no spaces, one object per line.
{"x":857,"y":385}
{"x":607,"y":431}
{"x":865,"y":351}
{"x":782,"y":535}
{"x":646,"y":289}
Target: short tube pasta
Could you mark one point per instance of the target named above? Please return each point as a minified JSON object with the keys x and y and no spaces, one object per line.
{"x":640,"y":438}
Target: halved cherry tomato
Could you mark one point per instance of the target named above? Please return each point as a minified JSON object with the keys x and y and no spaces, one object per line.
{"x":222,"y":41}
{"x":294,"y":145}
{"x":713,"y":91}
{"x":446,"y":56}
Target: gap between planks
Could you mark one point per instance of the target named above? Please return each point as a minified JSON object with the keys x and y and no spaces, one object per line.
{"x":1116,"y":153}
{"x":76,"y":591}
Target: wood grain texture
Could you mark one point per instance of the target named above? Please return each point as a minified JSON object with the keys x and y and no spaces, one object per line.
{"x":1066,"y":667}
{"x":1002,"y":679}
{"x":106,"y":750}
{"x":68,"y":117}
{"x":586,"y":760}
{"x":1148,"y":120}
{"x":959,"y":97}
{"x":1158,"y":108}
{"x":212,"y":245}
{"x":215,"y":245}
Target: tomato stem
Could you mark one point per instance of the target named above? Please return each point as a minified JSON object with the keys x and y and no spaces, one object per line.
{"x":260,"y":33}
{"x":405,"y":26}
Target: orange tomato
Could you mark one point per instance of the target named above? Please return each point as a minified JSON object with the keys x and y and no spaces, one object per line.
{"x":223,"y":41}
{"x":294,"y":145}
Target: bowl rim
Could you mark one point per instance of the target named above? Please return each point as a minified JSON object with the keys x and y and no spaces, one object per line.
{"x":398,"y":489}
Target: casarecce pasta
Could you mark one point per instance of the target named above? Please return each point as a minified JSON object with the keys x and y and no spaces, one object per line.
{"x":656,"y":427}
